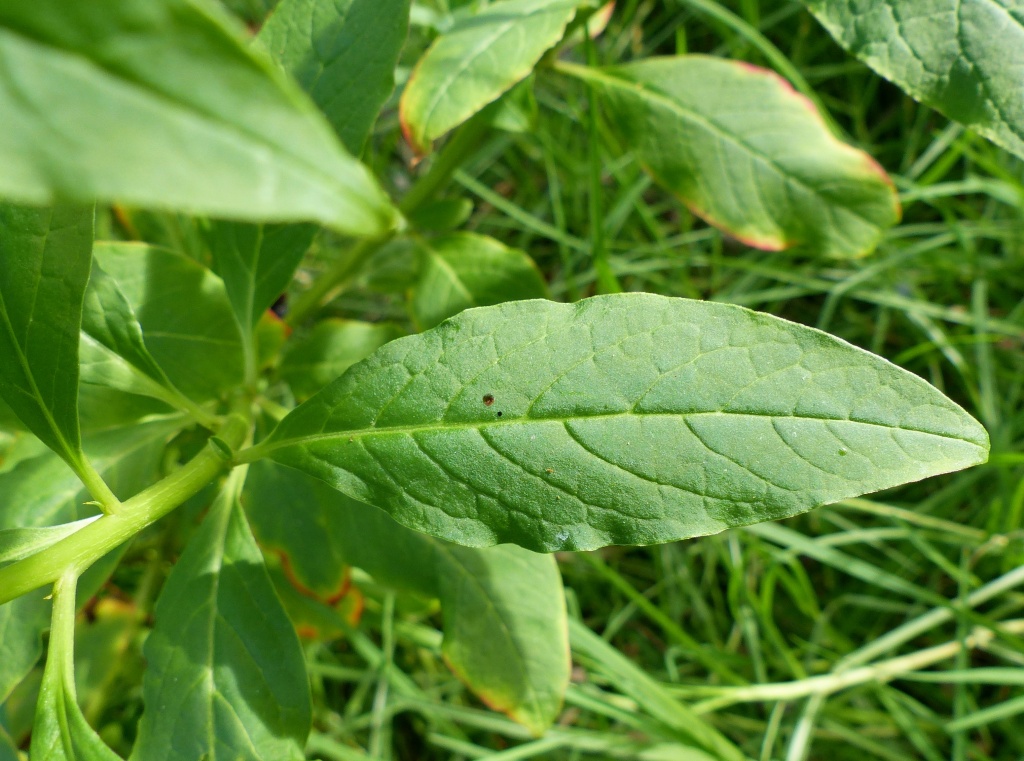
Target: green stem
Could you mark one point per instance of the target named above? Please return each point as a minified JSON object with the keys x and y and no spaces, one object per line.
{"x":80,"y":550}
{"x":105,"y":498}
{"x":61,"y":648}
{"x":450,"y":158}
{"x":325,"y":286}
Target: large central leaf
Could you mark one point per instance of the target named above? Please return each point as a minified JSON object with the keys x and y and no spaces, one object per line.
{"x":626,"y":419}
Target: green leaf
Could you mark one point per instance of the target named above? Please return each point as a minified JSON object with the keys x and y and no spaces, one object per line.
{"x":161,"y":104}
{"x":962,"y":57}
{"x":113,"y":350}
{"x":60,"y":732}
{"x":45,"y":256}
{"x":186,"y":318}
{"x":505,"y":627}
{"x":330,"y":349}
{"x":623,"y":419}
{"x":464,"y":270}
{"x":109,"y":320}
{"x":256,"y":263}
{"x":343,"y":53}
{"x":23,"y":622}
{"x":226,"y":676}
{"x":747,"y":154}
{"x":481,"y":57}
{"x":441,"y":216}
{"x":18,"y":543}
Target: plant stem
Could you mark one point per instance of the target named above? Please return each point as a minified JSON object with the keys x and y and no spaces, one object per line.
{"x":450,"y":158}
{"x":61,"y":648}
{"x":441,"y":170}
{"x":80,"y":550}
{"x":325,"y":286}
{"x":105,"y":498}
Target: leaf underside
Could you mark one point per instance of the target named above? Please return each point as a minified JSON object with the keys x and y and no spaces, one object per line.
{"x":625,"y":419}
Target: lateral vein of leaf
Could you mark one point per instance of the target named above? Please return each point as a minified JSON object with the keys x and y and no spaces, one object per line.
{"x":271,"y":444}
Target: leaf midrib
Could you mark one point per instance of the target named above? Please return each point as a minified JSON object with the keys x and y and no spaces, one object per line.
{"x":263,"y":449}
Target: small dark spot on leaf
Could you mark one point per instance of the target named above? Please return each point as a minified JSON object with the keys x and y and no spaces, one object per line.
{"x":499,"y":413}
{"x":842,"y":453}
{"x":488,"y":399}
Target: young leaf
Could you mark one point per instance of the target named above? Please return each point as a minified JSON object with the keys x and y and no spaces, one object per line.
{"x":343,"y":53}
{"x":623,"y":419}
{"x":226,"y":676}
{"x":256,"y":263}
{"x":478,"y":60}
{"x":465,"y":270}
{"x":113,"y":350}
{"x":962,"y":57}
{"x":44,"y":266}
{"x":186,"y":319}
{"x":60,"y":731}
{"x":331,"y":348}
{"x":747,"y":154}
{"x":161,"y":103}
{"x":504,"y":614}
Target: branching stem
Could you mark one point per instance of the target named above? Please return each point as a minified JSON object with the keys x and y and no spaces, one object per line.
{"x":80,"y":550}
